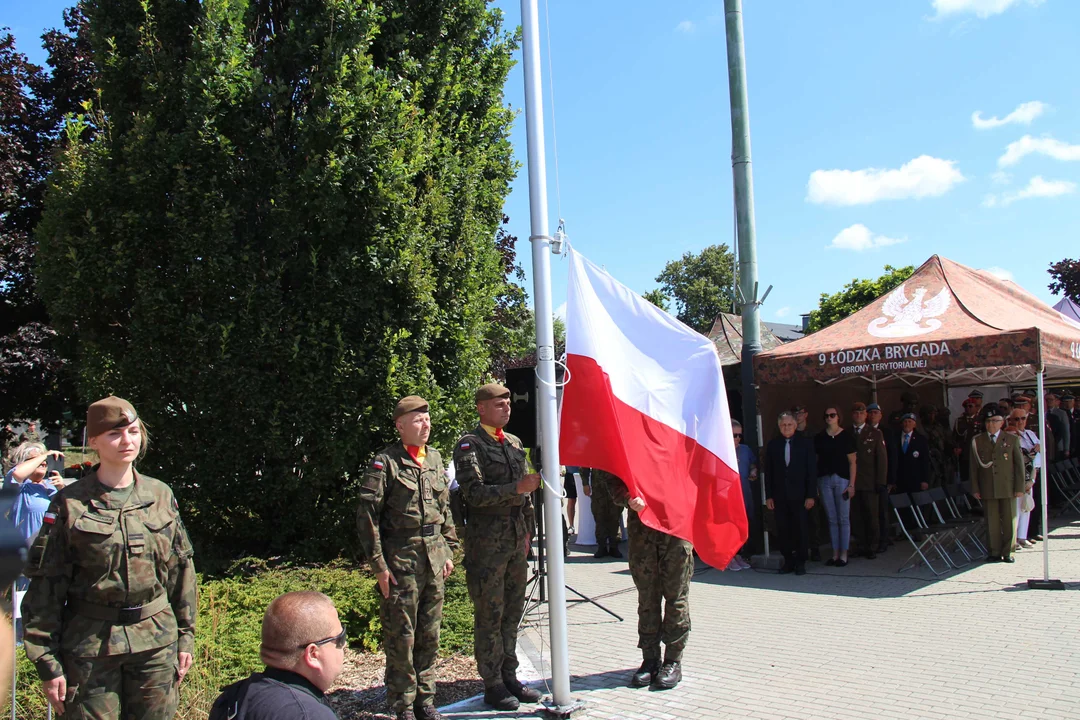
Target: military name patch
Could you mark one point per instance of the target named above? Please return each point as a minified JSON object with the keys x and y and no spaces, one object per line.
{"x":50,"y":518}
{"x":378,"y":465}
{"x":465,"y":446}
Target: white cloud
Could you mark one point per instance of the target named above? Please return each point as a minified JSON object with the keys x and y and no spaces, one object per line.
{"x":686,"y":26}
{"x":1024,"y":114}
{"x":782,"y":312}
{"x":1048,"y":146}
{"x":859,"y":238}
{"x":560,"y":312}
{"x":980,"y":8}
{"x":1037,"y":187}
{"x":1001,"y":177}
{"x":924,"y":176}
{"x":999,"y":273}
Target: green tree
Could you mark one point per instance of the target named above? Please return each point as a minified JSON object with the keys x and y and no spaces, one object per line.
{"x":284,"y":223}
{"x":700,"y":285}
{"x":1066,"y":278}
{"x":657,"y":297}
{"x":856,"y":295}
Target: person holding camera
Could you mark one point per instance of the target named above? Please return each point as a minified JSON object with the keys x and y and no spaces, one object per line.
{"x":110,"y":613}
{"x":30,"y":463}
{"x":836,"y":468}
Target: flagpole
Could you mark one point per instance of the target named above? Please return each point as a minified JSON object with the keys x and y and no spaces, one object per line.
{"x":545,"y":357}
{"x":1046,"y":582}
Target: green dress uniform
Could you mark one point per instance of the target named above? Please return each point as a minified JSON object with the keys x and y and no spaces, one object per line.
{"x":871,"y":475}
{"x":405,"y":526}
{"x":496,"y":571}
{"x":966,"y":427}
{"x":112,"y":598}
{"x":605,"y":512}
{"x":997,"y":475}
{"x":661,"y":566}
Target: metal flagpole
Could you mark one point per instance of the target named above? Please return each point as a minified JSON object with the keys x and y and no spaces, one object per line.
{"x":1045,"y":583}
{"x":545,"y":357}
{"x":14,"y":644}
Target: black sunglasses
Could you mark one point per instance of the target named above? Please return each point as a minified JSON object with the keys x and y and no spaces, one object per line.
{"x":738,"y":435}
{"x":830,"y":414}
{"x":339,"y":641}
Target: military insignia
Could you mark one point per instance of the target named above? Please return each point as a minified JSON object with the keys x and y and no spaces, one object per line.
{"x":915,"y":454}
{"x":378,"y":465}
{"x":49,"y":518}
{"x":465,"y":446}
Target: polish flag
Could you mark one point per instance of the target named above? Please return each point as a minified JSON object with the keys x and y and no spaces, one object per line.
{"x":646,"y":402}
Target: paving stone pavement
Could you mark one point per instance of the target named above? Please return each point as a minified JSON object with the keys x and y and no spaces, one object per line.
{"x":847,"y":643}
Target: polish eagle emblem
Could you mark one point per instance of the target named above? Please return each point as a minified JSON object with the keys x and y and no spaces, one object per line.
{"x":909,"y":318}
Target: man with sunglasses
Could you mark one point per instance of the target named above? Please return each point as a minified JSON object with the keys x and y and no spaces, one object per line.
{"x":303,"y":648}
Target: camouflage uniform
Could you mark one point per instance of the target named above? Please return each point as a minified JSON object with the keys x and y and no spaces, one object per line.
{"x":112,"y":598}
{"x":605,"y":511}
{"x":661,"y":566}
{"x":965,"y":429}
{"x":495,"y":567}
{"x":405,"y":526}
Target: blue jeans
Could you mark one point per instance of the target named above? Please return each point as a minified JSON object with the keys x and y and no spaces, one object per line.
{"x":838,"y":509}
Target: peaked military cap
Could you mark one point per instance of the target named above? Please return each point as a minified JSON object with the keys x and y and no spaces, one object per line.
{"x":108,"y":414}
{"x":408,"y":404}
{"x":975,"y":394}
{"x":992,"y":411}
{"x":1068,"y":396}
{"x":858,"y":407}
{"x":908,"y":416}
{"x":873,"y":406}
{"x":491,"y":391}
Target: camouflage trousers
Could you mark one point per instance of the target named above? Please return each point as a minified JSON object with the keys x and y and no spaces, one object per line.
{"x":605,"y":513}
{"x":661,"y":566}
{"x":411,"y":619}
{"x":136,"y":686}
{"x":496,"y":572}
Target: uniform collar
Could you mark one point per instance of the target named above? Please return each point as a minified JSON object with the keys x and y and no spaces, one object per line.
{"x":295,"y":680}
{"x":140,"y":495}
{"x":407,"y":458}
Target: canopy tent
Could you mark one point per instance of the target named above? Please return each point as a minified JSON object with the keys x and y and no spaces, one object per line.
{"x":946,"y":323}
{"x":1069,"y":309}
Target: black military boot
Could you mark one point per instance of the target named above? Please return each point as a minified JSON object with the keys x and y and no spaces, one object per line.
{"x":613,"y":549}
{"x":644,"y":676}
{"x":428,"y":712}
{"x":498,"y":697}
{"x":601,"y":549}
{"x":524,"y":693}
{"x":669,"y":676}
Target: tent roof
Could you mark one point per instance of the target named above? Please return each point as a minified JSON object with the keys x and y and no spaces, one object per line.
{"x":1069,"y":309}
{"x":726,"y":334}
{"x":946,"y":322}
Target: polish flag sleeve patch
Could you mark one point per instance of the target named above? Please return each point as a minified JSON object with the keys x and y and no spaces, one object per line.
{"x":378,"y":465}
{"x":49,"y":518}
{"x":465,"y":445}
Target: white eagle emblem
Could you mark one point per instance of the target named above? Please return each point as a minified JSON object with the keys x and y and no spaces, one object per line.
{"x":909,"y":317}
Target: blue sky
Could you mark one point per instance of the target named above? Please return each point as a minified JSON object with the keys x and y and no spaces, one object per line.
{"x":862,"y":130}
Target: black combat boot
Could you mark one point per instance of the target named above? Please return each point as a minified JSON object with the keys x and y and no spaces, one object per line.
{"x":498,"y":697}
{"x":428,"y":712}
{"x":613,"y":549}
{"x":644,"y":675}
{"x":669,"y":676}
{"x":524,"y":693}
{"x":601,"y":548}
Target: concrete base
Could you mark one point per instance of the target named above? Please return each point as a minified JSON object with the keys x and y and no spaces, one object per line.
{"x":773,"y":561}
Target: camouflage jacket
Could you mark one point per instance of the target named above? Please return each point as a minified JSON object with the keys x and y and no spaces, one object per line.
{"x":94,"y":556}
{"x":398,"y":497}
{"x":488,"y":471}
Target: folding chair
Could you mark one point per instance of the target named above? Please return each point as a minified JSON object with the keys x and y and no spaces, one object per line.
{"x":920,"y":538}
{"x":960,"y":507}
{"x":934,"y":516}
{"x":1066,"y":483}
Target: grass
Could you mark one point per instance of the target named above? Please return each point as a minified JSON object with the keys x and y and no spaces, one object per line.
{"x":230,"y":621}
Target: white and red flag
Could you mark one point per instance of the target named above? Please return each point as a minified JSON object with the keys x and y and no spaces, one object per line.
{"x":646,"y":402}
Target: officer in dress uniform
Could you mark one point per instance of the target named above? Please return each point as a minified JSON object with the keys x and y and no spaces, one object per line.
{"x":872,"y":470}
{"x":110,"y":612}
{"x":491,"y":469}
{"x":997,"y":479}
{"x":967,"y":426}
{"x":408,"y":536}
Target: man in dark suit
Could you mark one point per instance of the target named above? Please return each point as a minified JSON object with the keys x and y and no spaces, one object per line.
{"x":912,"y":457}
{"x":790,"y":489}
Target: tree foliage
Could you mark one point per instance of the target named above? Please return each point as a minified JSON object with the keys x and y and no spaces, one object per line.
{"x":33,"y":104}
{"x":699,"y":284}
{"x":856,"y":295}
{"x":284,"y":223}
{"x":657,"y":297}
{"x":1066,"y":278}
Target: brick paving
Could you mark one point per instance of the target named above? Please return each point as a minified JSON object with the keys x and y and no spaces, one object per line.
{"x":847,"y":643}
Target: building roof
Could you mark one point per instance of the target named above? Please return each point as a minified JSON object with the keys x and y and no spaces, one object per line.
{"x":726,"y":334}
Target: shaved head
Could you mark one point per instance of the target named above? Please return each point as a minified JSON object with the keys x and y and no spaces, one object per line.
{"x":293,"y":620}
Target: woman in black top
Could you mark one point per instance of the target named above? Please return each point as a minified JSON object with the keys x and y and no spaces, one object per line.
{"x":835,"y":449}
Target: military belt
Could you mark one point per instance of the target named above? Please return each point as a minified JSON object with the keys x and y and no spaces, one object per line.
{"x":512,"y":511}
{"x":409,"y":533}
{"x":117,"y":615}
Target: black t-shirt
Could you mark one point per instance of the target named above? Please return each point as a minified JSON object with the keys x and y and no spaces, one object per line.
{"x":832,"y":452}
{"x":273,"y":694}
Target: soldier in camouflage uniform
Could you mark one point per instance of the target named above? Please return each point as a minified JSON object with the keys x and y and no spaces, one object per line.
{"x":661,"y":566}
{"x":110,"y":613}
{"x":605,"y":513}
{"x":491,"y":469}
{"x":407,"y":534}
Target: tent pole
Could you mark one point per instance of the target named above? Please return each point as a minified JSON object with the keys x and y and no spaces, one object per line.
{"x":761,"y":482}
{"x":1045,"y":583}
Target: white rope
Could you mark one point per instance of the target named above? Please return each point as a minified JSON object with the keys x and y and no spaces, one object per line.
{"x":564,"y":383}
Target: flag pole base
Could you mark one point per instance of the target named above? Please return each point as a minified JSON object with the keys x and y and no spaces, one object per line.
{"x":1041,"y":584}
{"x":552,"y":710}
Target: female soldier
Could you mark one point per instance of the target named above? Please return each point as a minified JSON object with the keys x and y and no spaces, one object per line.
{"x":110,"y":613}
